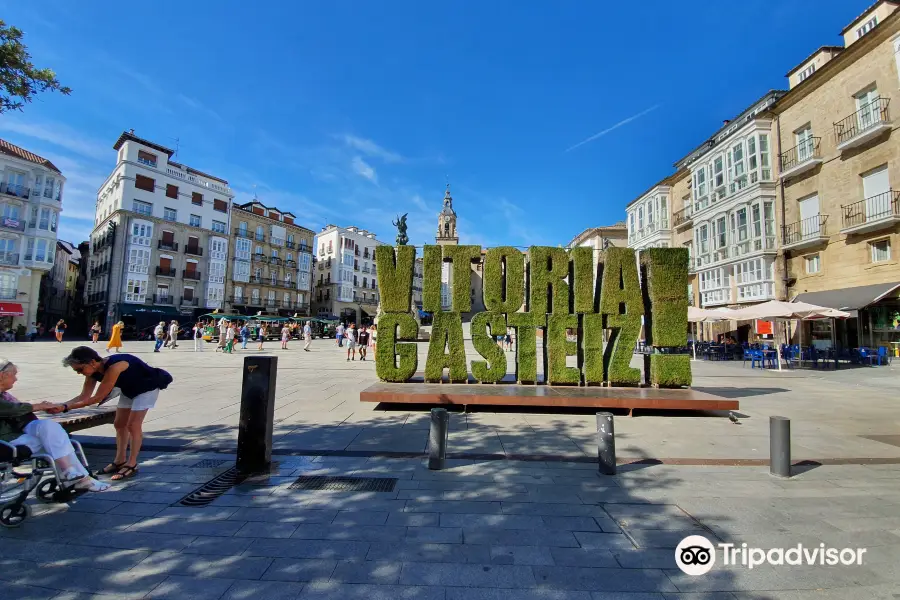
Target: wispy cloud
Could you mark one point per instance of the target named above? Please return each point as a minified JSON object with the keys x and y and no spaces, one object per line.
{"x":364,"y":169}
{"x":371,"y":149}
{"x":199,"y":106}
{"x":621,"y":123}
{"x":58,"y":135}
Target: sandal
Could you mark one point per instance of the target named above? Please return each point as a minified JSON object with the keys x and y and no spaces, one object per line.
{"x":126,"y":472}
{"x":110,"y":469}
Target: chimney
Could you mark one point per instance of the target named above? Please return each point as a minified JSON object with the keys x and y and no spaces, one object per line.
{"x":725,"y":122}
{"x":131,"y":131}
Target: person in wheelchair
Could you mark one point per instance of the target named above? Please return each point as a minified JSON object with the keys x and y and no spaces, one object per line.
{"x":19,"y":426}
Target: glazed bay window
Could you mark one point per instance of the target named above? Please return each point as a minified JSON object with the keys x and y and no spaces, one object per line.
{"x":715,"y":286}
{"x":755,"y":279}
{"x":701,"y":198}
{"x":136,"y":291}
{"x":663,"y":213}
{"x":241,"y":271}
{"x":702,"y":244}
{"x":242,"y":249}
{"x":141,"y":233}
{"x":138,"y":260}
{"x":719,"y":177}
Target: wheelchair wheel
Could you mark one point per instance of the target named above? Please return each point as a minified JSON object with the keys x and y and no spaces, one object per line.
{"x":13,"y":515}
{"x":47,"y":490}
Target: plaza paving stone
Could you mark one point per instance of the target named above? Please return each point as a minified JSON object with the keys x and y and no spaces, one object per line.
{"x":494,"y":529}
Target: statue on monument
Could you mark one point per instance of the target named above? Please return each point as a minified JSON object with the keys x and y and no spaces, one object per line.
{"x":400,"y":224}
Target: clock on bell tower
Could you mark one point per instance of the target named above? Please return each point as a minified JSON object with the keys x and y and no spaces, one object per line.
{"x":446,"y":233}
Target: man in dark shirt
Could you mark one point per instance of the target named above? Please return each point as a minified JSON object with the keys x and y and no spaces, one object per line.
{"x":362,"y":339}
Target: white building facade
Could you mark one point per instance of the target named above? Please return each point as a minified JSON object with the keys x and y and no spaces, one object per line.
{"x":733,"y":192}
{"x":346,"y":276}
{"x":160,"y":236}
{"x":30,"y":203}
{"x":649,"y":219}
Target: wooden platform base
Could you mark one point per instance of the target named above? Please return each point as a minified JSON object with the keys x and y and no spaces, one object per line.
{"x":544,"y":395}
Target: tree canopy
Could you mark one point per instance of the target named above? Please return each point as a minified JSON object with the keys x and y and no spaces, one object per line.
{"x":20,"y":80}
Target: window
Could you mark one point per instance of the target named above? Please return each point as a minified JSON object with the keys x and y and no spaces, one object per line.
{"x":742,"y":224}
{"x":53,"y":220}
{"x":287,"y":299}
{"x":170,"y":214}
{"x":220,"y":205}
{"x":218,"y":249}
{"x":868,"y":109}
{"x":197,"y":198}
{"x":807,"y":71}
{"x":40,"y":254}
{"x":304,"y":262}
{"x":881,"y":250}
{"x":365,"y":282}
{"x":867,"y":27}
{"x":812,"y":263}
{"x":258,"y":251}
{"x":242,"y":228}
{"x":29,"y":249}
{"x":259,"y":233}
{"x":287,"y":279}
{"x":142,"y":208}
{"x":162,"y":290}
{"x":721,"y":235}
{"x":303,"y":281}
{"x":146,"y":158}
{"x":45,"y":219}
{"x":321,"y":249}
{"x":195,"y":221}
{"x":804,"y":143}
{"x":290,"y":256}
{"x":135,"y":290}
{"x":718,"y":173}
{"x":238,"y":293}
{"x":290,"y":238}
{"x":171,"y":191}
{"x":188,"y":293}
{"x":242,"y":249}
{"x":138,"y":260}
{"x":141,"y":234}
{"x":9,"y":286}
{"x":257,"y":274}
{"x":142,"y":182}
{"x":219,"y":227}
{"x":274,"y":253}
{"x":241,"y":271}
{"x":640,"y":219}
{"x":703,"y":240}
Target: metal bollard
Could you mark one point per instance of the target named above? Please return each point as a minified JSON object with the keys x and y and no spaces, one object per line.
{"x":606,"y":443}
{"x":780,"y":446}
{"x":437,"y":438}
{"x":254,"y":451}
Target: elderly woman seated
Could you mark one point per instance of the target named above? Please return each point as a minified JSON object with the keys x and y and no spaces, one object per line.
{"x":20,"y":427}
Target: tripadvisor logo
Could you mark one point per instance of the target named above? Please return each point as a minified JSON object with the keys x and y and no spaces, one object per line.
{"x":587,"y":303}
{"x":696,"y":555}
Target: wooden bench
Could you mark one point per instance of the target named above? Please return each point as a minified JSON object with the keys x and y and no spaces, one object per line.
{"x":85,"y":418}
{"x":546,"y":396}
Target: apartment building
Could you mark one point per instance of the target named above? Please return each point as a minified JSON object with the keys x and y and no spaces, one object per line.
{"x":840,"y":180}
{"x":159,"y":247}
{"x":271,"y":270}
{"x":346,"y":277}
{"x":57,"y":293}
{"x":30,"y":203}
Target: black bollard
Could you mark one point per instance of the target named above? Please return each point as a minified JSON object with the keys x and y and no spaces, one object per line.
{"x":606,"y":443}
{"x":254,"y":452}
{"x":780,"y":446}
{"x":437,"y":438}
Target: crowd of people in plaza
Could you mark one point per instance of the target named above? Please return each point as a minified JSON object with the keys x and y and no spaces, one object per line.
{"x":356,"y":340}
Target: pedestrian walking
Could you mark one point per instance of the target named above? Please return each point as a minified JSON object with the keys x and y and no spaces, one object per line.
{"x":229,"y":338}
{"x":95,"y":332}
{"x":159,"y":333}
{"x":60,"y":329}
{"x":362,"y":339}
{"x":339,"y":335}
{"x":173,"y":334}
{"x":245,"y":335}
{"x":223,"y":328}
{"x":33,"y":331}
{"x":285,"y":336}
{"x":508,"y":340}
{"x":307,"y":336}
{"x":198,"y":337}
{"x":373,"y":332}
{"x":350,"y":335}
{"x":261,"y":335}
{"x":115,"y":338}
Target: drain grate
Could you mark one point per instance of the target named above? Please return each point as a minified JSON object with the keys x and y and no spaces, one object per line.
{"x":212,"y":489}
{"x":209,"y":463}
{"x":344,"y":484}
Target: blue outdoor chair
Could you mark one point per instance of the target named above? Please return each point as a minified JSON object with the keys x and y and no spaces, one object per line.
{"x":756,"y":356}
{"x":882,"y":357}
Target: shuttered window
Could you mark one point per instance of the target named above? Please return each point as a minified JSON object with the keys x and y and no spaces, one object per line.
{"x":142,"y":182}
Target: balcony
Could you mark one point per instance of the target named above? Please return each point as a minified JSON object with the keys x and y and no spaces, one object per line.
{"x":805,"y":233}
{"x":304,"y":248}
{"x":11,"y":189}
{"x":870,"y":121}
{"x":275,"y":261}
{"x":290,"y":244}
{"x":198,"y":181}
{"x":96,"y":297}
{"x":189,"y":274}
{"x":162,"y":299}
{"x":189,"y":301}
{"x":276,"y":241}
{"x":877,"y":212}
{"x":803,"y":157}
{"x":372,"y":301}
{"x":165,"y":272}
{"x":254,"y":301}
{"x":683,"y":217}
{"x":164,"y":245}
{"x":260,"y":258}
{"x":237,"y":300}
{"x":259,"y":237}
{"x":290,"y":264}
{"x":193,"y":250}
{"x":12,"y":224}
{"x":242,"y":233}
{"x":10,"y":259}
{"x":100,"y":269}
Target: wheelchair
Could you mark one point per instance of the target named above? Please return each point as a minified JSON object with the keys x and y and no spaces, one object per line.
{"x":22,"y":471}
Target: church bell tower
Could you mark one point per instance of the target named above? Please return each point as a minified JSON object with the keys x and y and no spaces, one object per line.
{"x":446,"y":232}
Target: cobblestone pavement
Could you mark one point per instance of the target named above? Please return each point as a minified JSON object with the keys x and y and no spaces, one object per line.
{"x":495,"y":529}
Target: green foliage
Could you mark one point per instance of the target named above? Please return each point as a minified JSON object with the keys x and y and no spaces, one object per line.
{"x":496,"y":298}
{"x":582,"y":271}
{"x":665,"y":292}
{"x":395,"y":278}
{"x":621,"y":304}
{"x":462,"y":257}
{"x":431,"y":279}
{"x":592,"y":346}
{"x":669,"y":370}
{"x":446,"y":332}
{"x":393,"y":327}
{"x":526,"y":326}
{"x":20,"y":80}
{"x":548,"y":267}
{"x":559,"y":347}
{"x":494,"y":368}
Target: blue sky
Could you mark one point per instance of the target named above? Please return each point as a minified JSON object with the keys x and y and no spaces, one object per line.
{"x":353,"y":112}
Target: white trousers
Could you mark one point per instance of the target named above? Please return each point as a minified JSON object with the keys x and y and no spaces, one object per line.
{"x":46,"y":437}
{"x":307,"y":339}
{"x":198,"y":344}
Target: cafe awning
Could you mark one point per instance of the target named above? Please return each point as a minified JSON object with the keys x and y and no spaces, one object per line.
{"x":11,"y":309}
{"x":850,"y":299}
